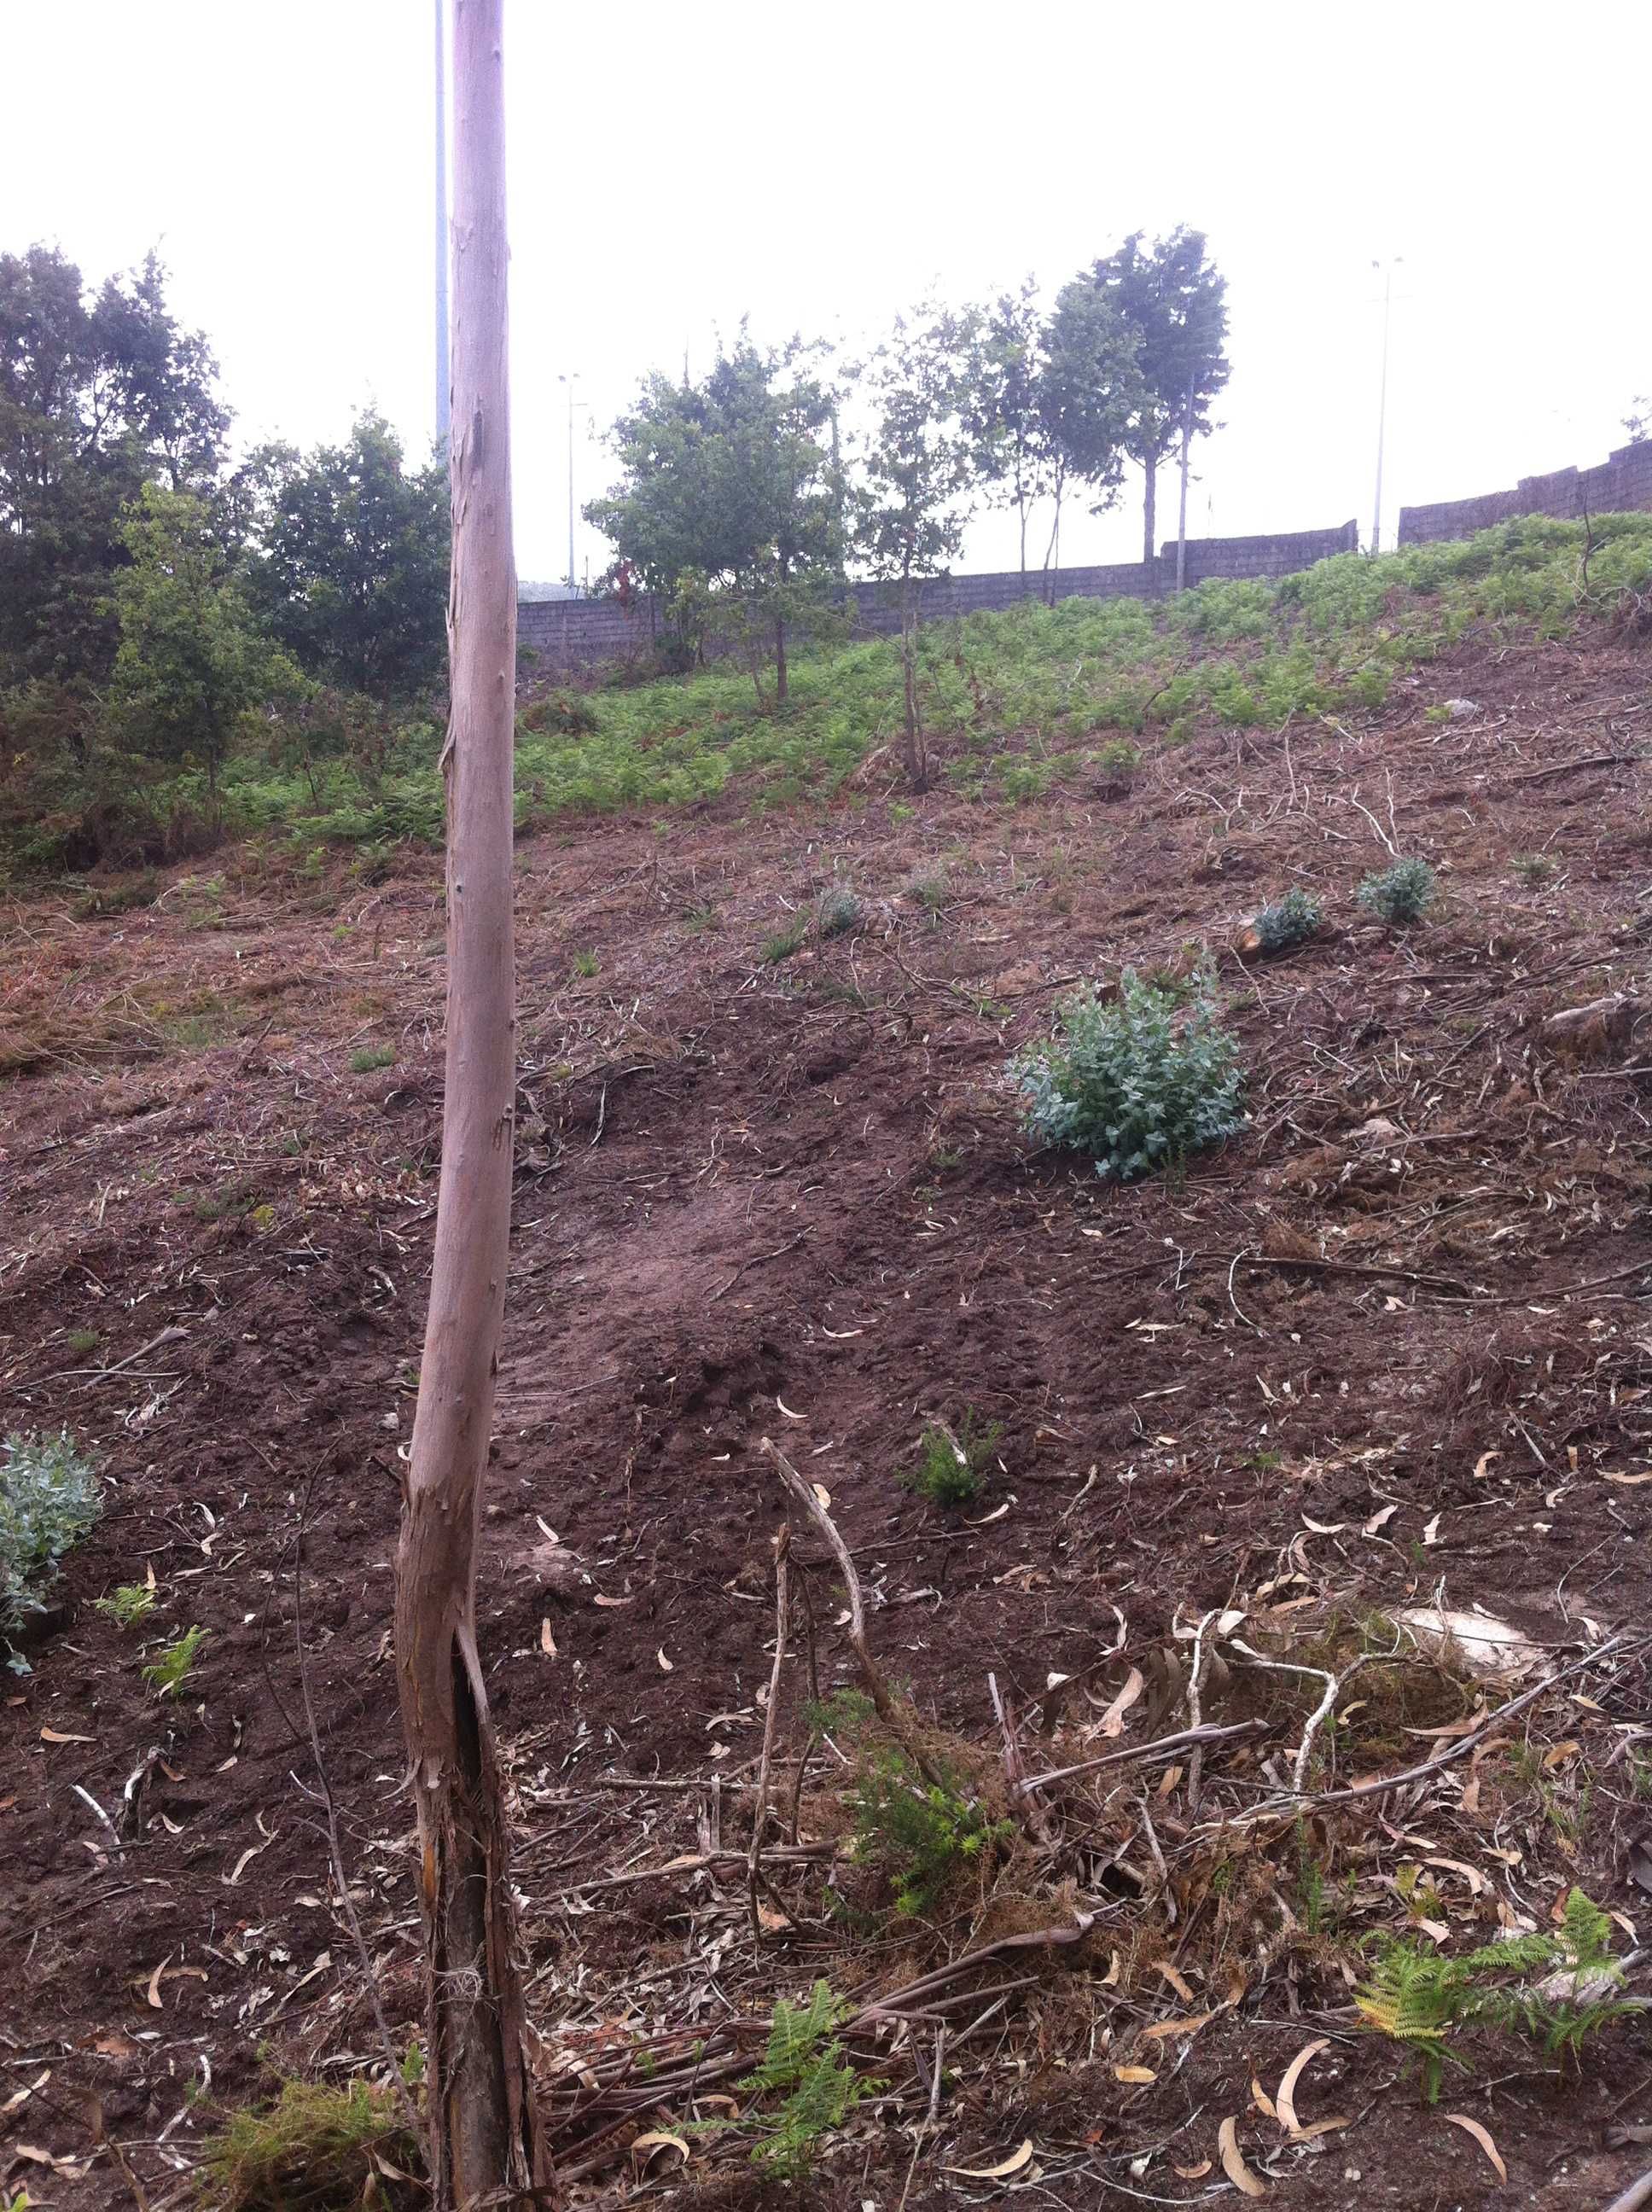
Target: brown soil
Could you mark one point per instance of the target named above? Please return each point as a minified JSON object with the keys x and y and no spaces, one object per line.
{"x":793,"y":1200}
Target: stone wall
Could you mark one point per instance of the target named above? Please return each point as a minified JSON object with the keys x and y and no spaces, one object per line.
{"x":568,"y":634}
{"x":1621,"y":483}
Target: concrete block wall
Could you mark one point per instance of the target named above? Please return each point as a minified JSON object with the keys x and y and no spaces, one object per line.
{"x":1622,"y":484}
{"x":570,"y":634}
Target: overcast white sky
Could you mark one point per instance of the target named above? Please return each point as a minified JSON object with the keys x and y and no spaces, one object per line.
{"x":674,"y":166}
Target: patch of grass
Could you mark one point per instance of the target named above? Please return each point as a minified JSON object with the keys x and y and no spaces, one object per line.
{"x":785,"y":941}
{"x":372,"y":1057}
{"x":931,"y":891}
{"x":1134,"y":1083}
{"x":585,"y":963}
{"x":317,"y":2147}
{"x":1400,"y":895}
{"x":953,"y":1466}
{"x":82,"y":1342}
{"x":1533,"y":869}
{"x":168,"y":1673}
{"x":127,"y":1605}
{"x":50,"y":1495}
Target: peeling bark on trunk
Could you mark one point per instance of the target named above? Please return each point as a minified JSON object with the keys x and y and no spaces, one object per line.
{"x":484,"y":2137}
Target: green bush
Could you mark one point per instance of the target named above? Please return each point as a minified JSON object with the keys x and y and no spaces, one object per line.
{"x":1289,"y":919}
{"x":952,"y":1468}
{"x":805,"y":2063}
{"x":1423,"y":2000}
{"x":917,"y":1833}
{"x":50,"y":1495}
{"x":316,"y":2147}
{"x":1400,"y":895}
{"x":838,"y":912}
{"x":167,"y":1674}
{"x":1137,"y":1083}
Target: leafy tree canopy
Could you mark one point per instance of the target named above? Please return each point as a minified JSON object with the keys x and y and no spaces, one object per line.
{"x":1174,"y":298}
{"x":350,"y":558}
{"x":101,"y":393}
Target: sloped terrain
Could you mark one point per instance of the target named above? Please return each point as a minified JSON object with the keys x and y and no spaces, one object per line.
{"x":1388,"y":1349}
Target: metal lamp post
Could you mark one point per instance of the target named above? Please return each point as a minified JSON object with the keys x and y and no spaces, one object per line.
{"x":1387,"y":267}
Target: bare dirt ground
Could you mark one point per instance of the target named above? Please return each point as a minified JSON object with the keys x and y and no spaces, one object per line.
{"x":1390,"y":1347}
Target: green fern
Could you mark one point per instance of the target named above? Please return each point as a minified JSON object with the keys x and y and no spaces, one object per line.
{"x":804,"y":2061}
{"x":1420,"y":1999}
{"x":916,"y":1831}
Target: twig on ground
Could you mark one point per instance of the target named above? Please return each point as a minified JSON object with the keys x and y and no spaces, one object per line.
{"x":1232,"y":1732}
{"x":896,"y":1720}
{"x":782,"y":1622}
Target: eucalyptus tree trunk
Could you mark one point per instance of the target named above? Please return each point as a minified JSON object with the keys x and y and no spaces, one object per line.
{"x":484,"y":2137}
{"x":1150,"y":505}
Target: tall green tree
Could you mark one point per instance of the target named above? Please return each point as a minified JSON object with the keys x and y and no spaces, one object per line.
{"x":1174,"y":298}
{"x":1089,"y":393}
{"x":914,"y":500}
{"x":193,"y":663}
{"x":1003,"y":412}
{"x":348,"y":558}
{"x":101,"y":393}
{"x":731,"y":501}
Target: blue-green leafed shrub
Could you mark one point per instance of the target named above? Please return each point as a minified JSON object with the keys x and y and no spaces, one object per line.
{"x":50,"y":1495}
{"x":1289,"y":919}
{"x":1400,"y":895}
{"x":1139,"y":1083}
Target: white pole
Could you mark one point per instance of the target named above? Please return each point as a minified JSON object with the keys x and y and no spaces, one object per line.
{"x":1382,"y":403}
{"x":443,"y":378}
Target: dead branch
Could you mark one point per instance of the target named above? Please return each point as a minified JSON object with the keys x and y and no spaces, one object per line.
{"x":782,"y":1622}
{"x":1210,"y":1732}
{"x":896,"y":1718}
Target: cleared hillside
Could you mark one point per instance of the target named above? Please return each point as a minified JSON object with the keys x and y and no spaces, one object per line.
{"x":1386,"y":1350}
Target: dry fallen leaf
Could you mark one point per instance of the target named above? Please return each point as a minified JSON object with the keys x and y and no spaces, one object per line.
{"x":1630,"y":1482}
{"x":21,"y":2096}
{"x":1233,"y":2165}
{"x":546,"y":1641}
{"x":51,"y":1736}
{"x":1286,"y":2099}
{"x":1013,"y":2164}
{"x":1189,"y":2024}
{"x":1483,"y":1462}
{"x":601,"y":1600}
{"x":659,"y":2139}
{"x":154,"y":1983}
{"x":1431,"y":1530}
{"x":822,"y":1493}
{"x":1264,"y":2103}
{"x":1380,"y":1520}
{"x":665,"y":1665}
{"x":1192,"y":2173}
{"x":1178,"y":1982}
{"x":1134,"y":2073}
{"x":1473,"y":2128}
{"x":1112,"y":1721}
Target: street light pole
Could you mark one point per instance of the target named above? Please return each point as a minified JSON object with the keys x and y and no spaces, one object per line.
{"x":570,"y":380}
{"x":444,"y":380}
{"x":1387,"y":267}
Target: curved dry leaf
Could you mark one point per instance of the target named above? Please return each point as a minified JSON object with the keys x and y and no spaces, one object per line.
{"x":664,"y":1664}
{"x":1263,"y":2102}
{"x":1112,"y":1721}
{"x":1379,"y":1520}
{"x":1013,"y":2164}
{"x":1630,"y":1481}
{"x":1134,"y":2073}
{"x":154,"y":1983}
{"x":822,"y":1493}
{"x":611,"y":1602}
{"x":546,"y":1641}
{"x":1189,"y":2024}
{"x":51,"y":1735}
{"x":1285,"y":2101}
{"x":1233,"y":2165}
{"x":1192,"y":2173}
{"x":789,"y":1414}
{"x":659,"y":2139}
{"x":1178,"y":1982}
{"x":1483,"y":2138}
